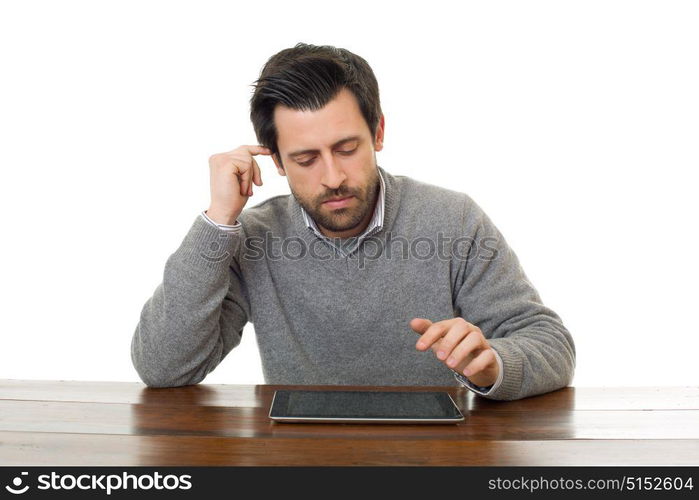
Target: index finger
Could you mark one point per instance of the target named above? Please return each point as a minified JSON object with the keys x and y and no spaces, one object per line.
{"x":258,"y":150}
{"x":433,"y":333}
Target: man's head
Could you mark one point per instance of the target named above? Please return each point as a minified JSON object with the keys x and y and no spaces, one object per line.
{"x":317,"y":109}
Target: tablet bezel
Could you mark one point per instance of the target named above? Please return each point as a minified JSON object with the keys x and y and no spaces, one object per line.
{"x":459,"y":417}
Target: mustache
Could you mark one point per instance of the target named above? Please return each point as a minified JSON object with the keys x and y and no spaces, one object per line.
{"x":339,"y":193}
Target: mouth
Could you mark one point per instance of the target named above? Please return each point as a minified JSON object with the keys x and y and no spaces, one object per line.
{"x":338,"y":202}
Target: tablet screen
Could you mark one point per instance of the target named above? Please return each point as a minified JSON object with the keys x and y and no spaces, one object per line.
{"x":364,"y":405}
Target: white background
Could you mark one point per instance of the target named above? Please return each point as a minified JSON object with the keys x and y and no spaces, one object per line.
{"x":575,"y":125}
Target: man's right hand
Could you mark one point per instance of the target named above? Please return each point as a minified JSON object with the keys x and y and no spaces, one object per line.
{"x":232,"y":174}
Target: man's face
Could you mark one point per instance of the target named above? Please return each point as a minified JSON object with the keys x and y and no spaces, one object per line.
{"x":329,"y":154}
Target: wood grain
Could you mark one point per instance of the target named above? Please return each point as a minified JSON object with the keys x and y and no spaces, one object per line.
{"x":569,"y":398}
{"x":113,"y":423}
{"x":218,"y":421}
{"x":19,"y":448}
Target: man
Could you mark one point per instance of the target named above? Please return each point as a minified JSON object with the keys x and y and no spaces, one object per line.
{"x":359,"y":277}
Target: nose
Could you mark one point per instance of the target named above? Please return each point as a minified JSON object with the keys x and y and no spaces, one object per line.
{"x":333,"y":175}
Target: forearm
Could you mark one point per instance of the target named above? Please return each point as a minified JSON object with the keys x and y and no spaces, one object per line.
{"x":196,"y":315}
{"x":494,"y":293}
{"x":536,"y":359}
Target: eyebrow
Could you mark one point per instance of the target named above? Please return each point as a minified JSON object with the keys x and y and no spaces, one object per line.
{"x":338,"y":143}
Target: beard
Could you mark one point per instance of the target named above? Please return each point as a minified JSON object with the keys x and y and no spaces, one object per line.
{"x":346,"y":218}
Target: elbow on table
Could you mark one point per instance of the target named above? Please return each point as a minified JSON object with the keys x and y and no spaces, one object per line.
{"x":154,"y":379}
{"x":155,"y":375}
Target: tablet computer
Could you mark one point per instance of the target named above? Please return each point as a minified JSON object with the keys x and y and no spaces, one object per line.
{"x":364,"y":407}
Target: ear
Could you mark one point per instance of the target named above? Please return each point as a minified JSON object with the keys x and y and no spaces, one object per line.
{"x":278,"y":163}
{"x":378,"y":141}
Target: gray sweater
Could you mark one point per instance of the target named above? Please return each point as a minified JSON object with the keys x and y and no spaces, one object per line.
{"x":323,"y":317}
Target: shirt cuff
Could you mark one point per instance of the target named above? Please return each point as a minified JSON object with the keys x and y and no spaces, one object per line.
{"x":484,"y":391}
{"x":226,"y":227}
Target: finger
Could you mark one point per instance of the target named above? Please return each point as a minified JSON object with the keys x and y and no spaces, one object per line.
{"x":485,"y":359}
{"x":420,"y":324}
{"x":244,"y":168}
{"x":452,"y":339}
{"x":243,"y":184}
{"x":258,"y":150}
{"x":257,"y":174}
{"x":464,"y":351}
{"x":251,"y":175}
{"x":433,"y":333}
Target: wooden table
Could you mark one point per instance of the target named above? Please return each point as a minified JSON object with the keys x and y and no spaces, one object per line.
{"x":110,"y":423}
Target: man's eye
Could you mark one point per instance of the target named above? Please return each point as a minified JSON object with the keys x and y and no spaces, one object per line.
{"x":344,"y":153}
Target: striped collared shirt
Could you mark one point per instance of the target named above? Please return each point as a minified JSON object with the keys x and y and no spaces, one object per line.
{"x":350,"y":244}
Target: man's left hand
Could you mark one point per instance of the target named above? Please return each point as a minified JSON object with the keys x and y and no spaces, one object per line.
{"x":461,"y":346}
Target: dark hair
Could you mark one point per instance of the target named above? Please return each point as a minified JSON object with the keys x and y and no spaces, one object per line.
{"x":307,"y":77}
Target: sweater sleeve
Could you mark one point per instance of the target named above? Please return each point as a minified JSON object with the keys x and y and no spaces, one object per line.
{"x":492,"y":292}
{"x":196,"y":314}
{"x":483,"y":391}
